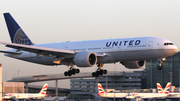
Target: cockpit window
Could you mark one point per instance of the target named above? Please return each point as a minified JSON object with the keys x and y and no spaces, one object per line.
{"x":168,"y":44}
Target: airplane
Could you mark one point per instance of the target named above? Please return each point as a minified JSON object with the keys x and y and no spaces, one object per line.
{"x":166,"y":91}
{"x":120,"y":95}
{"x":150,"y":95}
{"x":111,"y":95}
{"x":130,"y":52}
{"x":42,"y":94}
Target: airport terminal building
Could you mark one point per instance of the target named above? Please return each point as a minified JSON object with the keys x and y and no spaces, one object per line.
{"x":169,"y":73}
{"x":119,"y":81}
{"x":146,"y":79}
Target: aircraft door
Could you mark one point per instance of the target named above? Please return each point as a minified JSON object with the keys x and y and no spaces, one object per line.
{"x":150,"y":45}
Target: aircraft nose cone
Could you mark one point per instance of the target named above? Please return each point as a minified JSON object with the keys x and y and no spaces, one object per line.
{"x":175,"y":49}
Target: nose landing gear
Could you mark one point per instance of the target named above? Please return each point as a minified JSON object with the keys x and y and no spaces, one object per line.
{"x":160,"y":67}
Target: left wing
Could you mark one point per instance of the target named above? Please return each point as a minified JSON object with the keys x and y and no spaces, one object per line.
{"x":37,"y":50}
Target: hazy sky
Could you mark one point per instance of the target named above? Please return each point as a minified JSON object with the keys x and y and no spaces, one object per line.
{"x":46,"y":21}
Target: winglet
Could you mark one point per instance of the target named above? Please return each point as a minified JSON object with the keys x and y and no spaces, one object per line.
{"x":44,"y":89}
{"x":16,"y":33}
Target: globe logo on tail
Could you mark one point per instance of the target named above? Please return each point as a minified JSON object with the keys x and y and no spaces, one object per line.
{"x":21,"y":38}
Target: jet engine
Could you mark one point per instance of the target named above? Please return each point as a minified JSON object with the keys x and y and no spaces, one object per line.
{"x":133,"y":64}
{"x":85,"y":59}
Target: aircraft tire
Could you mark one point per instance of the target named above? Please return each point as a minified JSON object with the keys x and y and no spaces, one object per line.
{"x":101,"y":72}
{"x":73,"y":71}
{"x":105,"y":71}
{"x":159,"y":67}
{"x":65,"y":73}
{"x":93,"y":74}
{"x":77,"y":71}
{"x":69,"y":73}
{"x":97,"y":73}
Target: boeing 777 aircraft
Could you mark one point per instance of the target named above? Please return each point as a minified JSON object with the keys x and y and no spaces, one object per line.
{"x":40,"y":95}
{"x":131,"y":52}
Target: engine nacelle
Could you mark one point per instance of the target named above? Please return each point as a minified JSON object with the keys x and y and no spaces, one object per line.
{"x":85,"y":59}
{"x":133,"y":64}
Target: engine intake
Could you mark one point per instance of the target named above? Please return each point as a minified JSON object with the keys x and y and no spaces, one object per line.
{"x":85,"y":59}
{"x":133,"y":64}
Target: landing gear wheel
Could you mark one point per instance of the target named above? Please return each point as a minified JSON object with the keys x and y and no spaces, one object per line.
{"x":105,"y":71}
{"x":77,"y":71}
{"x":65,"y":73}
{"x":159,"y":67}
{"x":99,"y":71}
{"x":93,"y":74}
{"x":72,"y":71}
{"x":69,"y":73}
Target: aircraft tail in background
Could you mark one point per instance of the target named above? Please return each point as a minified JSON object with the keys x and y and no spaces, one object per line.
{"x":100,"y":90}
{"x":44,"y":89}
{"x":16,"y":33}
{"x":165,"y":90}
{"x":160,"y":89}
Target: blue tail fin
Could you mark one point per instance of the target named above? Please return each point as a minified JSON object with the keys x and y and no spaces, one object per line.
{"x":16,"y":33}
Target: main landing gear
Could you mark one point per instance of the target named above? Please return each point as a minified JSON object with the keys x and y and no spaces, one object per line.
{"x":99,"y":71}
{"x":160,"y":67}
{"x":71,"y":71}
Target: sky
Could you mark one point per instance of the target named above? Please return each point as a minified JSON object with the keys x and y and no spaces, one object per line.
{"x":47,"y":21}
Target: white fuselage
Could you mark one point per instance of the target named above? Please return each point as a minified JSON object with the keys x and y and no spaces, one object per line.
{"x":23,"y":96}
{"x":134,"y":95}
{"x":151,"y":95}
{"x":114,"y":95}
{"x":115,"y":50}
{"x":174,"y":96}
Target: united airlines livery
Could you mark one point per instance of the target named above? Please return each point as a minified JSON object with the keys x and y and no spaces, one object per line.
{"x":131,"y":52}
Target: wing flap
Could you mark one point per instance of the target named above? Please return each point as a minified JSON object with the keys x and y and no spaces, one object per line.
{"x":10,"y":52}
{"x":38,"y":50}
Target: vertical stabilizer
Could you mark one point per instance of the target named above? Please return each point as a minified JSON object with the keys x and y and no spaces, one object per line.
{"x":100,"y":90}
{"x":16,"y":33}
{"x":167,"y":88}
{"x":44,"y":89}
{"x":160,"y":89}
